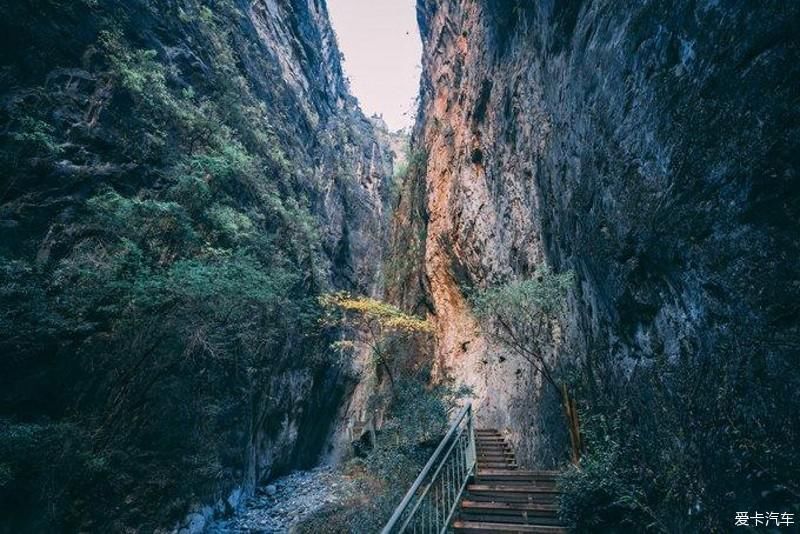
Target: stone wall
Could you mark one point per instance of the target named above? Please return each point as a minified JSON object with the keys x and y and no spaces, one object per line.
{"x":650,"y":148}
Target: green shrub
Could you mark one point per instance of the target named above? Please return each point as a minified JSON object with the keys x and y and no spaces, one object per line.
{"x":159,"y":265}
{"x":414,"y":424}
{"x":671,"y":447}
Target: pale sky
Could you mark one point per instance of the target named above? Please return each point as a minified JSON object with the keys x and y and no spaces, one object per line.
{"x":382,"y":49}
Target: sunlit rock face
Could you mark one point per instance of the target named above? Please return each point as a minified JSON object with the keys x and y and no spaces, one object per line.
{"x":636,"y":145}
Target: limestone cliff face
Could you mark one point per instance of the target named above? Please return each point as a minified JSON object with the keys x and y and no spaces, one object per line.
{"x":651,"y":148}
{"x":348,"y":168}
{"x":234,"y":118}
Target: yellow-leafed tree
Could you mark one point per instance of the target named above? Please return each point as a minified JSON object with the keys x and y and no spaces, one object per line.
{"x":371,"y":322}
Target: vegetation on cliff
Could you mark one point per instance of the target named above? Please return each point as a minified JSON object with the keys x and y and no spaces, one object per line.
{"x":527,"y":317}
{"x":379,"y":327}
{"x":651,"y":148}
{"x":680,"y":446}
{"x":186,"y":186}
{"x":415,"y":421}
{"x":160,"y":257}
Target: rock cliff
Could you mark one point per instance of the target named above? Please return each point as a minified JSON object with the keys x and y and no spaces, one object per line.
{"x":650,"y":148}
{"x":180,"y":180}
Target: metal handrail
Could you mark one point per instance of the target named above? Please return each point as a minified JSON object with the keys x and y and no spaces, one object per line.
{"x":433,"y":497}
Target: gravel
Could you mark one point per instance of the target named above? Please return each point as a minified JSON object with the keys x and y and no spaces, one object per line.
{"x":287,"y":501}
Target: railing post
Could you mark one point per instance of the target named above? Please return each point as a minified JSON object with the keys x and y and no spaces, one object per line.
{"x":435,"y":493}
{"x":471,"y":451}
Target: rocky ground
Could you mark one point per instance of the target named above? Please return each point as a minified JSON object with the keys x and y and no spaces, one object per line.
{"x":284,"y":503}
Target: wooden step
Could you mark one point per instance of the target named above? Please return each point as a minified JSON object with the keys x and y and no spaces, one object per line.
{"x":551,"y":475}
{"x":511,"y":494}
{"x":510,"y":488}
{"x":491,"y":528}
{"x":507,"y":497}
{"x":516,"y":475}
{"x":509,"y":518}
{"x":542,"y":484}
{"x":516,"y":513}
{"x":537,"y":508}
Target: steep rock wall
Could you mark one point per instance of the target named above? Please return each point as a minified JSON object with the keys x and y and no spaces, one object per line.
{"x":120,"y":122}
{"x":651,"y":148}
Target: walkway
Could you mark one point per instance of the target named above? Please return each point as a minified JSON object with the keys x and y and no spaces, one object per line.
{"x":503,"y":498}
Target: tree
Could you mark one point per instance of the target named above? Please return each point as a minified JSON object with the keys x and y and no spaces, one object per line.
{"x":526,"y":317}
{"x":371,"y":322}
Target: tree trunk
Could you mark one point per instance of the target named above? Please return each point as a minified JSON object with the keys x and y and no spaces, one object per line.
{"x":573,"y":425}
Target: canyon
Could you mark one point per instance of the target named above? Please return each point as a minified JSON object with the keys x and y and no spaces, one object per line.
{"x":183,"y":179}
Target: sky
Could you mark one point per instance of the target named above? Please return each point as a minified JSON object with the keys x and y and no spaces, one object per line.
{"x":382,"y":50}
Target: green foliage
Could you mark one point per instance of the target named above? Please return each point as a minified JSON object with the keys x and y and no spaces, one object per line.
{"x":228,"y":162}
{"x":70,"y":464}
{"x":233,"y":224}
{"x":526,"y":315}
{"x":525,"y":302}
{"x":37,"y":135}
{"x":671,"y":447}
{"x":159,"y":264}
{"x":415,"y":423}
{"x":138,"y":70}
{"x":191,"y":191}
{"x":595,"y":496}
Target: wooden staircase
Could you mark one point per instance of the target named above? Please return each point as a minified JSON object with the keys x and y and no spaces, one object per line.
{"x":503,"y":498}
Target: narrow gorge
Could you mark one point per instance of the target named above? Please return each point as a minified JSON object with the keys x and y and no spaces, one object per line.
{"x":231,"y":301}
